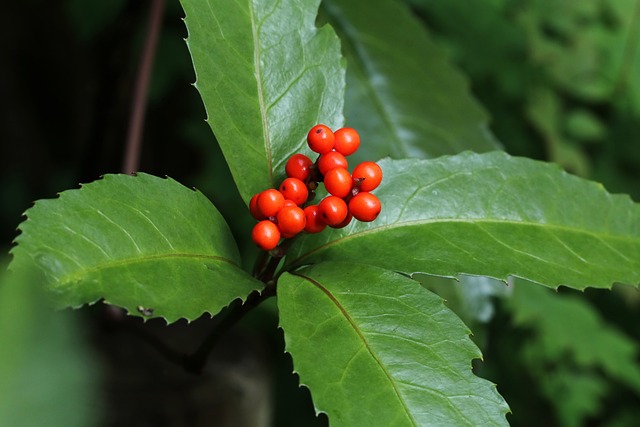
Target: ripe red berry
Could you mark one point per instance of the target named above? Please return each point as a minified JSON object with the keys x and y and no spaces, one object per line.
{"x":367,"y":176}
{"x":347,"y":141}
{"x":291,"y":221}
{"x":315,"y":224}
{"x":266,"y":235}
{"x":365,"y":206}
{"x":331,"y":160}
{"x":269,"y":202}
{"x":298,"y":166}
{"x":338,"y":182}
{"x":345,"y":222}
{"x":253,"y":208}
{"x":295,"y":190}
{"x":320,"y":139}
{"x":333,"y":210}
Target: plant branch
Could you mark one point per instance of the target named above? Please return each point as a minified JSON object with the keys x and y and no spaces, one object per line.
{"x":139,"y":101}
{"x":196,"y":361}
{"x":157,"y":344}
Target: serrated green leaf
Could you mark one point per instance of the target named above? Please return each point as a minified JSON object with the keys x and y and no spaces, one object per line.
{"x":490,"y":215}
{"x":403,"y":95}
{"x":145,"y":243}
{"x":266,"y":75}
{"x":375,"y":348}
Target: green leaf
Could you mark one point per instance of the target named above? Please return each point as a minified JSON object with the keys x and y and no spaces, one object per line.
{"x":490,"y":215}
{"x":48,"y":375}
{"x":266,"y":75}
{"x":147,"y":244}
{"x":403,"y":95}
{"x":375,"y":348}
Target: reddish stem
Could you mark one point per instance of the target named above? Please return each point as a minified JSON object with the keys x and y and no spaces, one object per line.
{"x":139,"y":101}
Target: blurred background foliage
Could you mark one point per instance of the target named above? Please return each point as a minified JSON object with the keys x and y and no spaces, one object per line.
{"x":559,"y":79}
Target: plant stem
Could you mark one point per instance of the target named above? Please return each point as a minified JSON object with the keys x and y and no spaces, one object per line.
{"x":139,"y":101}
{"x":196,"y":362}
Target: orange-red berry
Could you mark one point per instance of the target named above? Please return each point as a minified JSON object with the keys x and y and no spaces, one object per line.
{"x":253,"y":208}
{"x":347,"y":141}
{"x":365,"y":206}
{"x":338,"y":182}
{"x":291,"y":221}
{"x":345,"y":222}
{"x":295,"y":190}
{"x":298,"y":166}
{"x":333,"y":210}
{"x":269,"y":202}
{"x":332,"y":160}
{"x":266,"y":235}
{"x":320,"y":139}
{"x":367,"y":176}
{"x":315,"y":224}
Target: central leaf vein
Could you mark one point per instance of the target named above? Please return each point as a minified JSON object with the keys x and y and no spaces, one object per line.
{"x":365,"y":343}
{"x":263,"y":108}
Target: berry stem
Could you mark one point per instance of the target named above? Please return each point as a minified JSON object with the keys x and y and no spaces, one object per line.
{"x":261,"y":262}
{"x":274,"y":261}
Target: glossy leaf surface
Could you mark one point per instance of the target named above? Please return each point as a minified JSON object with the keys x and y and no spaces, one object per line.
{"x":266,"y":75}
{"x":375,"y":348}
{"x":491,"y":215}
{"x":144,"y":243}
{"x":403,"y":95}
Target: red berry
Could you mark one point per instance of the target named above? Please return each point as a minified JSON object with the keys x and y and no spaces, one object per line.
{"x":320,"y":139}
{"x":288,"y":202}
{"x":345,"y":222}
{"x":291,"y":221}
{"x":365,"y":206}
{"x":315,"y":224}
{"x":347,"y":141}
{"x":331,"y":160}
{"x":367,"y":176}
{"x":295,"y":190}
{"x":253,"y":208}
{"x":266,"y":235}
{"x":298,"y":166}
{"x":333,"y":210}
{"x":338,"y":182}
{"x":269,"y":202}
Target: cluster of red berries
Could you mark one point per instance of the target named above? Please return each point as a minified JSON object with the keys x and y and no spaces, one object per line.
{"x":282,"y":213}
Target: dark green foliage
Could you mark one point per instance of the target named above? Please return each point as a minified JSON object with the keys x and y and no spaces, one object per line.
{"x":357,"y":307}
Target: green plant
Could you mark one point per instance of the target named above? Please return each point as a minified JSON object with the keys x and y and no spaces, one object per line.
{"x":373,"y":345}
